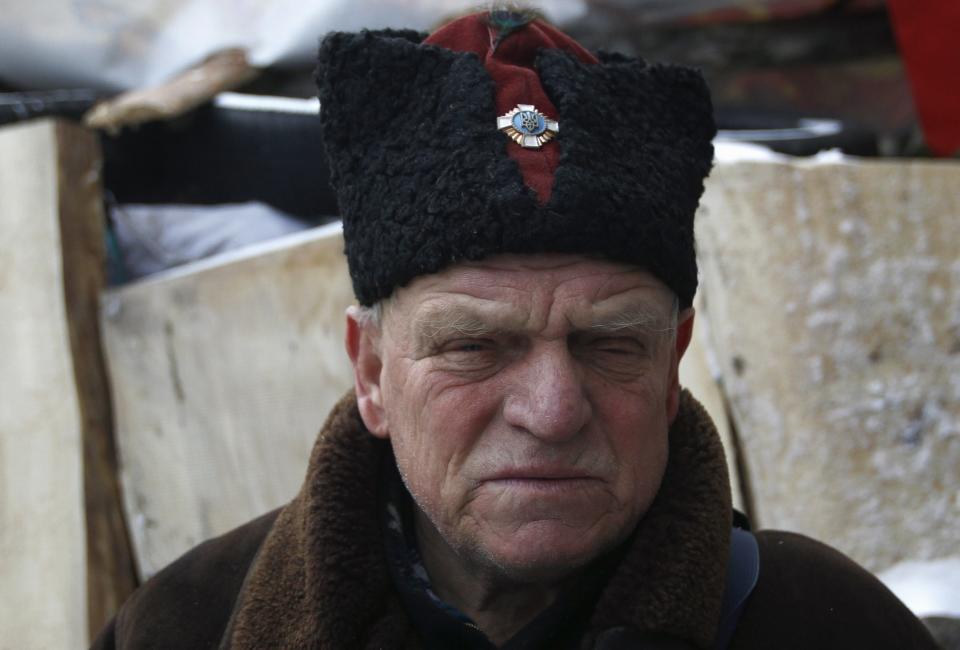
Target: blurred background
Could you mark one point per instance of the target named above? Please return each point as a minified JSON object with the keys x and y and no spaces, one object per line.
{"x":172,"y":282}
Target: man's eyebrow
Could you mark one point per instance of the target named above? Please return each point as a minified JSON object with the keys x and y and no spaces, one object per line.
{"x":445,"y":320}
{"x":639,"y":316}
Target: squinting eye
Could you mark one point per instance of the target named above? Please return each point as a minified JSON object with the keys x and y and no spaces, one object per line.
{"x":469,"y":356}
{"x":469,"y":347}
{"x":618,"y":358}
{"x":466,"y":346}
{"x":618,"y":346}
{"x":615,"y":350}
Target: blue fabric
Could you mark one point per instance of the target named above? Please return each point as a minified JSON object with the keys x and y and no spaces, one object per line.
{"x":743,"y":570}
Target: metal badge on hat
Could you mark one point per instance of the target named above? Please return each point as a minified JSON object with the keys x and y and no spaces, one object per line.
{"x":527,"y":126}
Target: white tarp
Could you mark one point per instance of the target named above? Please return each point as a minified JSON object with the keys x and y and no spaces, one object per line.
{"x":120,"y":44}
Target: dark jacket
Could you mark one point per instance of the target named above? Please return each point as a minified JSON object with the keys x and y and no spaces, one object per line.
{"x":314,"y":574}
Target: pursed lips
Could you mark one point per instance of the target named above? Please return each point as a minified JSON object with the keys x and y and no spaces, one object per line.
{"x":543,"y":483}
{"x":539,"y":473}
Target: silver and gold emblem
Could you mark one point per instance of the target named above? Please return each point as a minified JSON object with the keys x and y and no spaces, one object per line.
{"x":527,"y":126}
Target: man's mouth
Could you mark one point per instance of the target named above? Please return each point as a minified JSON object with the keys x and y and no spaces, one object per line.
{"x":540,"y":473}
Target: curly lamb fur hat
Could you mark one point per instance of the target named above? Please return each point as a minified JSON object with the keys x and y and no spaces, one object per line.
{"x":425,"y":178}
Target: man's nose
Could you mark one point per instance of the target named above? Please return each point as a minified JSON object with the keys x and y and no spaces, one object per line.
{"x":547,"y":397}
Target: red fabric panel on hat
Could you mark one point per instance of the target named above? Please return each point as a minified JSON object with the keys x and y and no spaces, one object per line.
{"x":516,"y":82}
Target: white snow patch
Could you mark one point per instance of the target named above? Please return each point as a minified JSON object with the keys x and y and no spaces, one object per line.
{"x":928,"y":588}
{"x":815,"y":368}
{"x":734,"y":151}
{"x":830,"y":157}
{"x":727,"y":152}
{"x":838,"y":259}
{"x":823,"y":318}
{"x":821,"y":292}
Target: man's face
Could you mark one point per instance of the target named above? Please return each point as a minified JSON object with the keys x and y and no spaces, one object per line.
{"x":527,"y":400}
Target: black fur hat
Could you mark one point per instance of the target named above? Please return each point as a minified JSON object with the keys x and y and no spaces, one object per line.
{"x":425,"y":179}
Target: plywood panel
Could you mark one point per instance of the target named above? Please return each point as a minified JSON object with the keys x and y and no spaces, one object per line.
{"x":833,"y":298}
{"x":111,"y":575}
{"x":699,"y":373}
{"x":222,"y":374}
{"x":42,"y":529}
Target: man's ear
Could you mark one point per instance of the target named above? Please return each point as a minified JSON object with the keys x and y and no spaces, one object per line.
{"x":684,"y":335}
{"x":363,"y":347}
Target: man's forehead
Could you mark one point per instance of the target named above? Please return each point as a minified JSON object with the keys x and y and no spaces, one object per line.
{"x":577,"y":274}
{"x":510,"y":291}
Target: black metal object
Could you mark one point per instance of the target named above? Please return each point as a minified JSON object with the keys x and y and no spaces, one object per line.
{"x":19,"y":106}
{"x":793,"y":134}
{"x":223,"y":155}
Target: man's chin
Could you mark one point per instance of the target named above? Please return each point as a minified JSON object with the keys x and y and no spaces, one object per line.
{"x":543,"y":554}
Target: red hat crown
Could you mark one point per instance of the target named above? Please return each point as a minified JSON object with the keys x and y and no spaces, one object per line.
{"x":507,"y":43}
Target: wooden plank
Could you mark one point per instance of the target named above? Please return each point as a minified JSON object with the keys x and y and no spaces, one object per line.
{"x":222,"y":373}
{"x":833,"y":298}
{"x":111,"y":575}
{"x":700,"y":374}
{"x":42,"y":529}
{"x":219,"y":72}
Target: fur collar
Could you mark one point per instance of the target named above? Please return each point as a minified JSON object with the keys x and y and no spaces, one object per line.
{"x":321,"y":580}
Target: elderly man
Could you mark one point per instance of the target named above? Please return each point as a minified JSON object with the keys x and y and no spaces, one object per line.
{"x":518,"y":466}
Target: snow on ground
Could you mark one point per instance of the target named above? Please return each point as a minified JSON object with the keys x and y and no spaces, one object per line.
{"x":928,"y":588}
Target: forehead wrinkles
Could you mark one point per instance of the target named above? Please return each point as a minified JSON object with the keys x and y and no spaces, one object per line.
{"x":550,"y":301}
{"x":572,"y":302}
{"x":475,"y":317}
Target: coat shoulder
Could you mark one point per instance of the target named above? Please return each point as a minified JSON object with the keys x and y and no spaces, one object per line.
{"x":810,"y":595}
{"x":188,"y":604}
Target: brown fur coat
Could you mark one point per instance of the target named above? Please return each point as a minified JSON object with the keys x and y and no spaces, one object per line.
{"x":314,"y":575}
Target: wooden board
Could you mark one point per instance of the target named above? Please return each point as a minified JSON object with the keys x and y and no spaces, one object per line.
{"x":43,"y":560}
{"x":111,"y":575}
{"x":832,"y":294}
{"x":699,"y":373}
{"x":222,"y":373}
